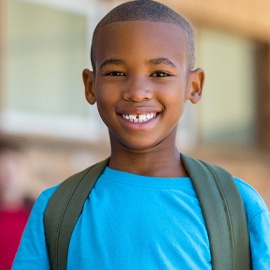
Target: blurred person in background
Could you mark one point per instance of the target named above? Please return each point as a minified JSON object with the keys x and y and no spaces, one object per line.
{"x":14,"y":207}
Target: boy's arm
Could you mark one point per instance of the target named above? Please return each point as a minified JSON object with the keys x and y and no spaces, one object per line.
{"x":32,"y":253}
{"x":258,"y":218}
{"x":259,"y":229}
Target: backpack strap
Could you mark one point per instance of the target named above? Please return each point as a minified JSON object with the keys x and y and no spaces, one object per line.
{"x":63,"y":211}
{"x":220,"y":201}
{"x":223,"y":212}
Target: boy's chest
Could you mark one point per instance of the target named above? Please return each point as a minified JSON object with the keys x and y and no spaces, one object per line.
{"x":141,"y":228}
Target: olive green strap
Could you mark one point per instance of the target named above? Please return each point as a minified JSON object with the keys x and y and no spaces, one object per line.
{"x":219,"y":198}
{"x":224,"y":214}
{"x":63,"y":211}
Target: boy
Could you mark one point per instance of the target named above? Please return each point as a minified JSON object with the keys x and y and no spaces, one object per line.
{"x":143,"y":212}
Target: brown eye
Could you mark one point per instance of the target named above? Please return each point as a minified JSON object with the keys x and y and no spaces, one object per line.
{"x":160,"y":74}
{"x":115,"y":73}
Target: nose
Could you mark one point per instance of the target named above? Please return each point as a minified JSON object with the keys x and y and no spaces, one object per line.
{"x":137,"y":89}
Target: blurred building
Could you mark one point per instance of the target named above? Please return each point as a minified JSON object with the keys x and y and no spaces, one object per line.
{"x":44,"y":46}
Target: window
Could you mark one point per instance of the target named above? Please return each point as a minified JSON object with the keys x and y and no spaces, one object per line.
{"x":47,"y":47}
{"x":227,"y":109}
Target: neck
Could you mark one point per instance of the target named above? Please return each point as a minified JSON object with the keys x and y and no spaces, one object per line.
{"x":157,"y":162}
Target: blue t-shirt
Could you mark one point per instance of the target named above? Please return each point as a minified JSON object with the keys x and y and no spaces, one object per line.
{"x":140,"y":222}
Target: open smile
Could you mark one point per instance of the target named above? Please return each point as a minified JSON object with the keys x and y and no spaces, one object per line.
{"x":139,"y":118}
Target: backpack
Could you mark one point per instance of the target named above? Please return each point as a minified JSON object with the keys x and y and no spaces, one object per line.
{"x":219,"y":198}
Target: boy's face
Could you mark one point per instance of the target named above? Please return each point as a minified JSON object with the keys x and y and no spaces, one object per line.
{"x":141,"y":82}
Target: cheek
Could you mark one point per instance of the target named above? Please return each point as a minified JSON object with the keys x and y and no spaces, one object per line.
{"x":175,"y":104}
{"x":105,"y":91}
{"x":103,"y":96}
{"x":174,"y":95}
{"x":106,"y":108}
{"x":103,"y":109}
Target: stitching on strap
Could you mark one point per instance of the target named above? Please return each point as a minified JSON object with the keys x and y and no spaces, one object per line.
{"x":226,"y":209}
{"x":62,"y":216}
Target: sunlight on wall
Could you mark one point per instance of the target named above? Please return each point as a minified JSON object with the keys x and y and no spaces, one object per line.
{"x":228,"y":105}
{"x":46,"y":55}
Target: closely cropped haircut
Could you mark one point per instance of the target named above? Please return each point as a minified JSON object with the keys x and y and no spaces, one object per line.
{"x":146,"y":10}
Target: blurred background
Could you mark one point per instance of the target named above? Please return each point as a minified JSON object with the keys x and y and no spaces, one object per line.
{"x":45,"y":44}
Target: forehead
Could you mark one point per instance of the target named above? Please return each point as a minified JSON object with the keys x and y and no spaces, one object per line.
{"x":140,"y":38}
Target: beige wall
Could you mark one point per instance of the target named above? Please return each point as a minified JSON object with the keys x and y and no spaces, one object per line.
{"x":227,"y":109}
{"x":247,"y":17}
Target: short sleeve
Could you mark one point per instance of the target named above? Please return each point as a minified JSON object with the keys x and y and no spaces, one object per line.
{"x":258,"y":218}
{"x":32,"y":253}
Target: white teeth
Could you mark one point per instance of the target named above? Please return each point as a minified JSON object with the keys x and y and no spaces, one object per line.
{"x":142,"y":118}
{"x":131,"y":117}
{"x":139,"y":118}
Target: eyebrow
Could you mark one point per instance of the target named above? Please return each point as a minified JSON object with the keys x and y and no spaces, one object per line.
{"x":154,"y":61}
{"x":161,"y":60}
{"x":111,"y":61}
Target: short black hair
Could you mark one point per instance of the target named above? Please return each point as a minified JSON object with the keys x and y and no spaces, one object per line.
{"x":146,"y":10}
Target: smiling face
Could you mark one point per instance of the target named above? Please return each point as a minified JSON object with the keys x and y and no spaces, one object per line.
{"x":141,"y":82}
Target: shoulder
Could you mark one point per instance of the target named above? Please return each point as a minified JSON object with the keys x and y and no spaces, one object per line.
{"x":253,"y":202}
{"x":42,"y":200}
{"x":33,"y":242}
{"x":47,"y":193}
{"x":258,"y":219}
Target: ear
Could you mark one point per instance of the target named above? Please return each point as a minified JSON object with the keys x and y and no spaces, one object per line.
{"x":196,"y":81}
{"x":88,"y":80}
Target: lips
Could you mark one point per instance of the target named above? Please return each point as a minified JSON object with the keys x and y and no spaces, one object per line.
{"x":139,"y":118}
